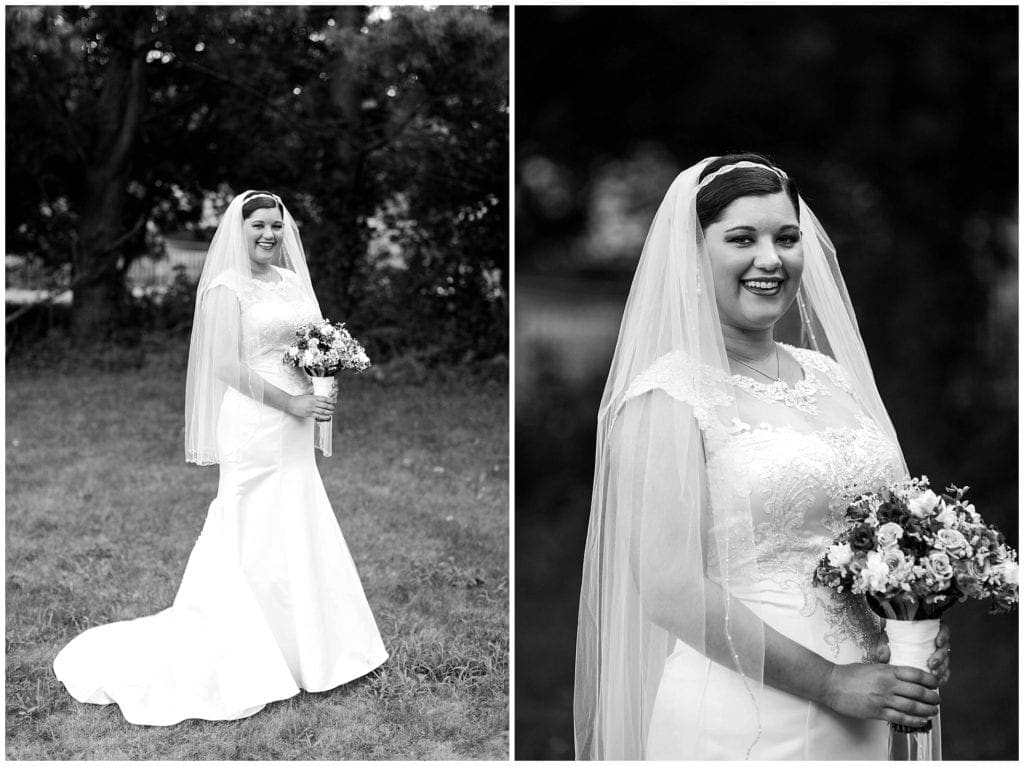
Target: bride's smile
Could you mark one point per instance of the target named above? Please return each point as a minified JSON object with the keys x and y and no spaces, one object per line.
{"x":264,"y":230}
{"x":756,"y":259}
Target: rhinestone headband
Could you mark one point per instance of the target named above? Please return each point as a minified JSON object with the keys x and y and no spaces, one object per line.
{"x":264,"y":194}
{"x":735,"y":166}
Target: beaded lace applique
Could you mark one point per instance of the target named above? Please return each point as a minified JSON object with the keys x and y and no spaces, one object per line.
{"x":279,"y":287}
{"x":797,"y":483}
{"x":271,"y":313}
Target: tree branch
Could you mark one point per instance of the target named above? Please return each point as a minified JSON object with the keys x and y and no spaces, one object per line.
{"x":239,"y":83}
{"x":133,"y":108}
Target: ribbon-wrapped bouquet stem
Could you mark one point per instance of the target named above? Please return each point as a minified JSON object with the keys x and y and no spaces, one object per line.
{"x":324,"y":348}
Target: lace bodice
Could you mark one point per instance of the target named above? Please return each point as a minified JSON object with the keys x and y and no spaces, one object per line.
{"x":783,"y":463}
{"x":271,"y":313}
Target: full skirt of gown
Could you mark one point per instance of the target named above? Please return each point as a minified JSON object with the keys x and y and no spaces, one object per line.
{"x":270,"y":602}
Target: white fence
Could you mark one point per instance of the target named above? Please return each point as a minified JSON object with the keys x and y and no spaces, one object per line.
{"x":28,"y":283}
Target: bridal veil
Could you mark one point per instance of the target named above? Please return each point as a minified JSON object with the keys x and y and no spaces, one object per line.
{"x":219,"y":351}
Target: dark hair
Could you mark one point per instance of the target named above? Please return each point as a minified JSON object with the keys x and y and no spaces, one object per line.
{"x":714,"y":198}
{"x":257,"y":200}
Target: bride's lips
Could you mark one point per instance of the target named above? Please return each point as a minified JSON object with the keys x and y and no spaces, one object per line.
{"x":266,"y":245}
{"x":767,"y":287}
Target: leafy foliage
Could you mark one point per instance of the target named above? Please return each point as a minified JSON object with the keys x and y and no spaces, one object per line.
{"x":384,"y":129}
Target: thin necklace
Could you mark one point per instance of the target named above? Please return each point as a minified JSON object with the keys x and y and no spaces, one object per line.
{"x":778,"y":366}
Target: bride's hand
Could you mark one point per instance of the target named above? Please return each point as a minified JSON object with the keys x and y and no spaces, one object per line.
{"x":897,"y":694}
{"x":310,"y":406}
{"x":938,"y":661}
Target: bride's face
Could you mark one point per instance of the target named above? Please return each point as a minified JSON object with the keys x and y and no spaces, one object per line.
{"x":264,"y":230}
{"x":756,"y":259}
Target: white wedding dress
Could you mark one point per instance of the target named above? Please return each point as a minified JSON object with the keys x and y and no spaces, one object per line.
{"x":270,"y":602}
{"x":797,"y":456}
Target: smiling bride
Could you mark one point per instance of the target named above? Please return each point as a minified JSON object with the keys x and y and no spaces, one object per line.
{"x":725,"y":462}
{"x":270,"y":602}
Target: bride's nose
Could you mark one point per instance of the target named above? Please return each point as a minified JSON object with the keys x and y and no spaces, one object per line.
{"x":766,"y":257}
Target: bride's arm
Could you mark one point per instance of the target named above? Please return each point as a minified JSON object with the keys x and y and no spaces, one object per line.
{"x":230,"y":367}
{"x":668,"y":553}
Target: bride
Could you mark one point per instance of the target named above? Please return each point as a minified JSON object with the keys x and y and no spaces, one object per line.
{"x":270,"y":602}
{"x":725,"y":461}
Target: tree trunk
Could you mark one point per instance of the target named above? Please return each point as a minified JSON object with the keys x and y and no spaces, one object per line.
{"x":102,"y":233}
{"x":347,"y":98}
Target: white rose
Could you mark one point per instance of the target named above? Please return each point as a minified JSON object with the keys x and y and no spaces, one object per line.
{"x":947,"y":516}
{"x":900,"y":569}
{"x":889,"y":533}
{"x":875,"y":573}
{"x":938,"y":566}
{"x":840,"y":555}
{"x":953,"y":542}
{"x":924,"y":504}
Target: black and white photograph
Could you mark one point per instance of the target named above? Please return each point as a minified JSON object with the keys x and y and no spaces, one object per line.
{"x":766,"y":392}
{"x":257,"y":382}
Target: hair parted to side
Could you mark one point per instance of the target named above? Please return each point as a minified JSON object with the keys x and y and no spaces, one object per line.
{"x":722,"y":191}
{"x":260,"y":199}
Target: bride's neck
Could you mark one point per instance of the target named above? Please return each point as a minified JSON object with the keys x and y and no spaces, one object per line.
{"x":749,"y":345}
{"x":259,"y":269}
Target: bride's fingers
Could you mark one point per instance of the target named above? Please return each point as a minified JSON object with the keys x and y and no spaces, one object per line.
{"x":916,"y":676}
{"x":897,"y":716}
{"x":939,"y":666}
{"x":912,"y":707}
{"x":916,"y":693}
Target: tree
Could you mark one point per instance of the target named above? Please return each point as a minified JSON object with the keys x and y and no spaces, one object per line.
{"x":90,"y":106}
{"x":126,"y":115}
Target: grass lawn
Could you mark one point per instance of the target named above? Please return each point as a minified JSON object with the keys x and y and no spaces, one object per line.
{"x":102,"y":512}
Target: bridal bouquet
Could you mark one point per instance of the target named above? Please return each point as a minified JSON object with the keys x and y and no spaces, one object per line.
{"x":324,"y":348}
{"x":915,"y":553}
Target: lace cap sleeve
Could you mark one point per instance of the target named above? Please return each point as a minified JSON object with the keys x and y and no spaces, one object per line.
{"x":229,"y":279}
{"x":686,"y":381}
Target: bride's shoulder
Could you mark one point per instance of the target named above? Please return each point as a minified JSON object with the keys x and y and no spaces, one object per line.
{"x":680,"y":376}
{"x":230,"y":279}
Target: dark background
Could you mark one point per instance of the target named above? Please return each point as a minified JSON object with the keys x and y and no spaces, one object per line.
{"x":900,"y":127}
